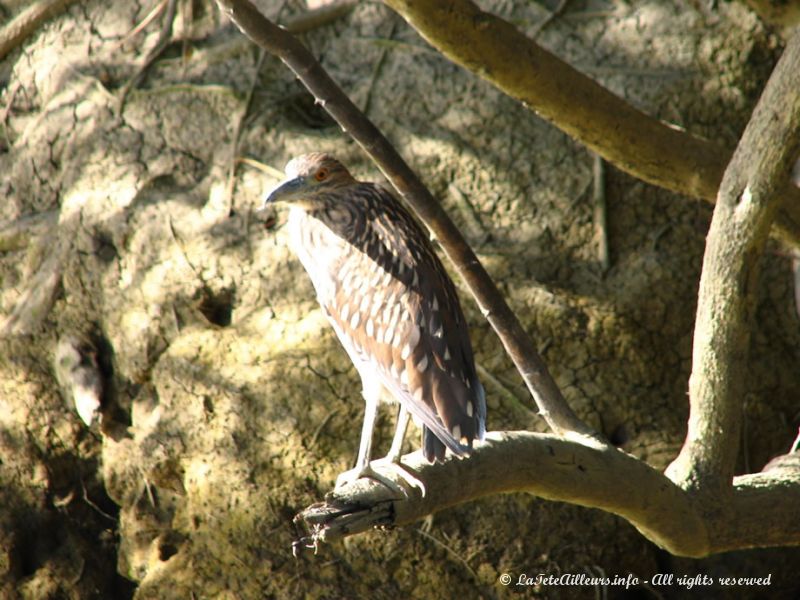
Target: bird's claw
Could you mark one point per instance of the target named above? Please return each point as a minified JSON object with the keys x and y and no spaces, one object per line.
{"x":394,"y":476}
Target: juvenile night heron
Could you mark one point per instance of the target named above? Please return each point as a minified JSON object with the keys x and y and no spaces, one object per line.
{"x":391,"y":303}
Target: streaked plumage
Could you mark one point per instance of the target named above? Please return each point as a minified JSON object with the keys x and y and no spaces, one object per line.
{"x":390,"y":301}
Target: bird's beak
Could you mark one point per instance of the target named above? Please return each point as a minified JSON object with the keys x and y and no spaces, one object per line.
{"x":290,"y":189}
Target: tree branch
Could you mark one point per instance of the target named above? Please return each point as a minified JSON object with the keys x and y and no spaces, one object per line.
{"x":545,"y":465}
{"x":748,"y":200}
{"x":519,"y":346}
{"x":557,"y":469}
{"x":28,"y":21}
{"x":637,"y":143}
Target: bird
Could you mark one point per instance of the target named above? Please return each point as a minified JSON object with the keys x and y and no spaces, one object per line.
{"x":392,"y":304}
{"x":78,"y":375}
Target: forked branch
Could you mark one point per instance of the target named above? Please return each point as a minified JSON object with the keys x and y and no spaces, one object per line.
{"x":748,"y":200}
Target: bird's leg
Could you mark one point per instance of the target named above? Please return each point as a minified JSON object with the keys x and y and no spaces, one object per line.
{"x":392,"y":460}
{"x":365,"y":446}
{"x":403,"y":417}
{"x":394,"y":475}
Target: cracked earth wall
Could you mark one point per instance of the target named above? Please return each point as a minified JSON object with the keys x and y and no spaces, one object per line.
{"x":231,"y":405}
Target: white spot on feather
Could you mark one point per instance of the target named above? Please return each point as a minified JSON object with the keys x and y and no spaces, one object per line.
{"x":413,"y":338}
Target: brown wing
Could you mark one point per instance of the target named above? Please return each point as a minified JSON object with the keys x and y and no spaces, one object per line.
{"x":396,"y":307}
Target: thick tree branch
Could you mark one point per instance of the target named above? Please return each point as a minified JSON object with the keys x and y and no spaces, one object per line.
{"x":549,"y":467}
{"x":28,"y":21}
{"x":519,"y":346}
{"x":641,"y":145}
{"x":557,"y":469}
{"x":748,"y":200}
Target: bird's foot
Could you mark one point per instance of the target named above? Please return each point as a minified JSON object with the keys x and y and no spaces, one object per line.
{"x":390,"y":473}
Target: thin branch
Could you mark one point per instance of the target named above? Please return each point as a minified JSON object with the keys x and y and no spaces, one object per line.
{"x":39,"y":293}
{"x":519,"y":346}
{"x":149,"y":18}
{"x":237,"y":132}
{"x":599,"y":205}
{"x":28,"y":21}
{"x":164,"y":39}
{"x":631,"y":140}
{"x":557,"y":12}
{"x":323,"y":15}
{"x":748,"y":201}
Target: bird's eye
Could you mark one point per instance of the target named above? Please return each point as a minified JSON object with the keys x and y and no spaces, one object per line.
{"x":321,"y":174}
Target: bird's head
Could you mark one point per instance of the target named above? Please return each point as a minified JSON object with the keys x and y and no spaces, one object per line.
{"x":307,"y":177}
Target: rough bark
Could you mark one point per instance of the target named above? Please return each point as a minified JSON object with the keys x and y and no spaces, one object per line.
{"x":748,"y":200}
{"x":760,"y":511}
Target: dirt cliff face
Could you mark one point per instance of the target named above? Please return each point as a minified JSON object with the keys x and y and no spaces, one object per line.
{"x":228,"y":405}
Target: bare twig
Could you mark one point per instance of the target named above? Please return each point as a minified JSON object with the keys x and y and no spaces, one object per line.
{"x":164,"y":38}
{"x":475,"y":228}
{"x":277,"y":41}
{"x":324,"y":423}
{"x":276,"y":174}
{"x":12,"y":94}
{"x":376,"y":71}
{"x":599,"y":198}
{"x":550,"y":18}
{"x":34,"y":303}
{"x":149,"y":18}
{"x":237,"y":133}
{"x":485,"y":591}
{"x":749,"y":199}
{"x":629,"y":139}
{"x":28,"y":21}
{"x":318,"y":17}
